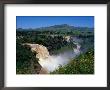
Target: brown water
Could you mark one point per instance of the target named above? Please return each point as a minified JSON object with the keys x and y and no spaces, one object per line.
{"x":51,"y":62}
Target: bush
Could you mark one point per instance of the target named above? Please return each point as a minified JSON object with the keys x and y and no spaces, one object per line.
{"x":83,"y":64}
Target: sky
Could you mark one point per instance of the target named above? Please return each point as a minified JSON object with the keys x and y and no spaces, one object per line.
{"x":26,"y":22}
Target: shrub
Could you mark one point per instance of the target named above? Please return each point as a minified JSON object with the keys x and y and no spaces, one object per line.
{"x":83,"y":64}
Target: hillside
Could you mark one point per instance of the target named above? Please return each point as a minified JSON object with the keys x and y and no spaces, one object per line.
{"x":62,"y":27}
{"x":83,"y":64}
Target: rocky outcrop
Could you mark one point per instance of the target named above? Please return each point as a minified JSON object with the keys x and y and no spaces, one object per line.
{"x":67,"y":38}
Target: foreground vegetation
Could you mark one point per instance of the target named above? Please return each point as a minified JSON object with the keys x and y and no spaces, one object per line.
{"x":83,"y":64}
{"x":26,"y":61}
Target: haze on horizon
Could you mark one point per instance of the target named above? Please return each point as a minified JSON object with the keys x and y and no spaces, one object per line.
{"x":33,"y":22}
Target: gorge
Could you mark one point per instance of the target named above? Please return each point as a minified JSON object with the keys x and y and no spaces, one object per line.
{"x":49,"y":62}
{"x":57,"y":49}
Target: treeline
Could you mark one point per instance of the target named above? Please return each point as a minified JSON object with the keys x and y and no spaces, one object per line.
{"x":56,"y":32}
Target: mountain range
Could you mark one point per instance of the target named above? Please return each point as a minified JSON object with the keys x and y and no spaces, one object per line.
{"x":62,"y":27}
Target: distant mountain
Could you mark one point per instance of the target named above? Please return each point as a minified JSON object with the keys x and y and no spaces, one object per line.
{"x":62,"y":27}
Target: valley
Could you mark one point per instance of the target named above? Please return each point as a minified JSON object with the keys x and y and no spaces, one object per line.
{"x":54,"y":49}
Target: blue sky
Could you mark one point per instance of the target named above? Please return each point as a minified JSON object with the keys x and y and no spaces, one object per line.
{"x":44,"y":21}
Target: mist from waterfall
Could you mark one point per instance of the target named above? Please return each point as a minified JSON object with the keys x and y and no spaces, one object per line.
{"x":52,"y":62}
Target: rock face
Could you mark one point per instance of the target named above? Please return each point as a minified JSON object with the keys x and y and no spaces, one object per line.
{"x":67,"y":38}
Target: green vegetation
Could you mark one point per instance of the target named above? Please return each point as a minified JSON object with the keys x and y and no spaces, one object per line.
{"x":26,"y":61}
{"x":54,"y":39}
{"x":53,"y":43}
{"x":62,"y":49}
{"x":83,"y":64}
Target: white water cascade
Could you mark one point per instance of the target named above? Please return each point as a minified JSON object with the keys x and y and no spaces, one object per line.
{"x":50,"y":63}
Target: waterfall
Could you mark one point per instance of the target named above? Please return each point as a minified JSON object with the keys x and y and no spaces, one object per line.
{"x":50,"y":63}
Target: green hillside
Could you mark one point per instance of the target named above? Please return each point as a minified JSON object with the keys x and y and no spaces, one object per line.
{"x":83,"y":64}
